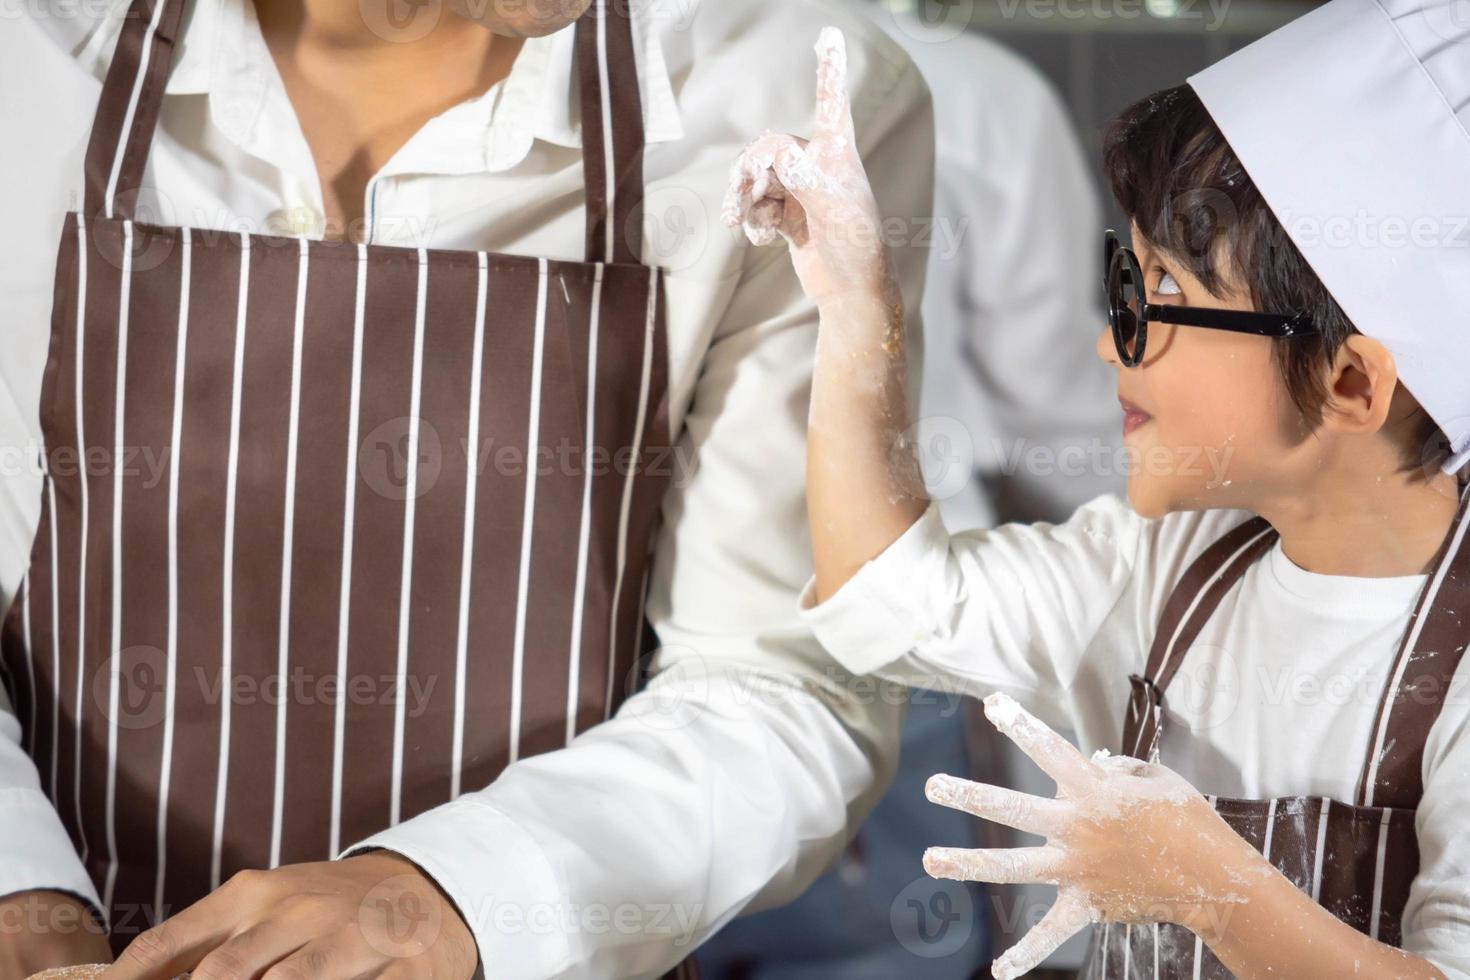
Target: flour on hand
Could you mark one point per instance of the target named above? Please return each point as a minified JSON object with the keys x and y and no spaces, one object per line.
{"x":1126,"y":840}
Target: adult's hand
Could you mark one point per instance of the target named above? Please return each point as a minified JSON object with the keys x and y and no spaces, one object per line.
{"x":374,"y":915}
{"x":41,"y":930}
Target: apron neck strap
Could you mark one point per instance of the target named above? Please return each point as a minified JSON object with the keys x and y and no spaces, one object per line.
{"x":1189,"y":607}
{"x":612,"y":132}
{"x":607,"y":86}
{"x":127,"y":111}
{"x":1423,"y":671}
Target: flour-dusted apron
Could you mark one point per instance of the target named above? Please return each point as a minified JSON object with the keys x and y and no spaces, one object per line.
{"x":1356,"y":859}
{"x":357,"y":526}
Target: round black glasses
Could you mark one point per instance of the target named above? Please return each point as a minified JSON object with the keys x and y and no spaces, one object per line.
{"x":1130,"y":313}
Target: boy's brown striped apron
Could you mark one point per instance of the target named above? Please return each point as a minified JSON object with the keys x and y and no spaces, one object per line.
{"x":1356,"y":859}
{"x":397,"y":539}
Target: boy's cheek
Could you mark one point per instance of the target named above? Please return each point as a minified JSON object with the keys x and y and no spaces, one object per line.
{"x":1187,"y":463}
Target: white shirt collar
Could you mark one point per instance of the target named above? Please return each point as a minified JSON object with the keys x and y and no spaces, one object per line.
{"x":222,"y":54}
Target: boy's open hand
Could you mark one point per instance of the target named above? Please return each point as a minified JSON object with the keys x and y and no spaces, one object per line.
{"x":815,"y":193}
{"x":1127,"y":841}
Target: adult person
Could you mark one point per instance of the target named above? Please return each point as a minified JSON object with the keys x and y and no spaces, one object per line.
{"x":328,"y":266}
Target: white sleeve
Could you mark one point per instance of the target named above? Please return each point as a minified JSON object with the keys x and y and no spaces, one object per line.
{"x":1011,"y":608}
{"x":35,"y":852}
{"x":1436,"y":922}
{"x":735,"y":777}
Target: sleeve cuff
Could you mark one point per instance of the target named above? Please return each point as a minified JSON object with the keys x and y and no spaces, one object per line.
{"x":36,"y":854}
{"x":496,"y":875}
{"x":881,"y":613}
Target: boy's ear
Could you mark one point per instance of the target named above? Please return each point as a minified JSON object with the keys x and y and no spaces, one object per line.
{"x":1360,"y":386}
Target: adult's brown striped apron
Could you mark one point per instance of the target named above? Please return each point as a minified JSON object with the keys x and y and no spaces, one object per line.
{"x":1355,"y":859}
{"x":401,"y":525}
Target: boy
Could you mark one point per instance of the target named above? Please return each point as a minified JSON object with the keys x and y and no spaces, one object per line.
{"x":1315,"y":384}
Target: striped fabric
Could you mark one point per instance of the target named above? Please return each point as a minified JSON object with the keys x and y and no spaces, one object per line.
{"x":1355,"y":859}
{"x":402,"y":524}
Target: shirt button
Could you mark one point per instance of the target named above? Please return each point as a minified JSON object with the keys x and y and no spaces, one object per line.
{"x":297,"y":222}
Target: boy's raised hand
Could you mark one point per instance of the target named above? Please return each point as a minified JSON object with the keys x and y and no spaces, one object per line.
{"x":1127,"y":841}
{"x":815,"y":193}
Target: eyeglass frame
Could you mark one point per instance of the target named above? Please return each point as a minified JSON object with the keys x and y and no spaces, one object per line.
{"x":1116,"y":255}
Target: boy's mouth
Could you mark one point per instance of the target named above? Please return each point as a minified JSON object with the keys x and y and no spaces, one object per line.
{"x":1133,"y":416}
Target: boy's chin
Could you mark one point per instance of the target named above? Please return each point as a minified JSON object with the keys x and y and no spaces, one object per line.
{"x":1147,"y":498}
{"x":1154,"y":496}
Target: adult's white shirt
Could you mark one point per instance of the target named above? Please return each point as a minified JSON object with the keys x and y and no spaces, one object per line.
{"x":1013,"y":301}
{"x":734,"y":778}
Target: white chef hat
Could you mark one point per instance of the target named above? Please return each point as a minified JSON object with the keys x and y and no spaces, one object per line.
{"x":1354,"y":122}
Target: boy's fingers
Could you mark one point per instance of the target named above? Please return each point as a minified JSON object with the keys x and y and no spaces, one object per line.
{"x":762,"y":223}
{"x":1062,"y":921}
{"x":1032,"y":814}
{"x":834,"y":109}
{"x":997,"y":865}
{"x":1056,"y":756}
{"x":750,"y":176}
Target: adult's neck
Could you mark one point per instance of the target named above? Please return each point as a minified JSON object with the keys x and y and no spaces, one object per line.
{"x":1364,"y":524}
{"x":380,"y":30}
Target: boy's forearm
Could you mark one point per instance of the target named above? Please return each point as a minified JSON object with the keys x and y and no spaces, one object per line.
{"x":864,"y":486}
{"x":1279,"y":931}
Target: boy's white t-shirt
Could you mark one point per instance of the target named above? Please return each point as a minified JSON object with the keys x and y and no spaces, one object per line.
{"x":1276,"y":697}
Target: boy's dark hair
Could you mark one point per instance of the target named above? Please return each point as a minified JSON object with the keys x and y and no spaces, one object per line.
{"x":1173,"y":173}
